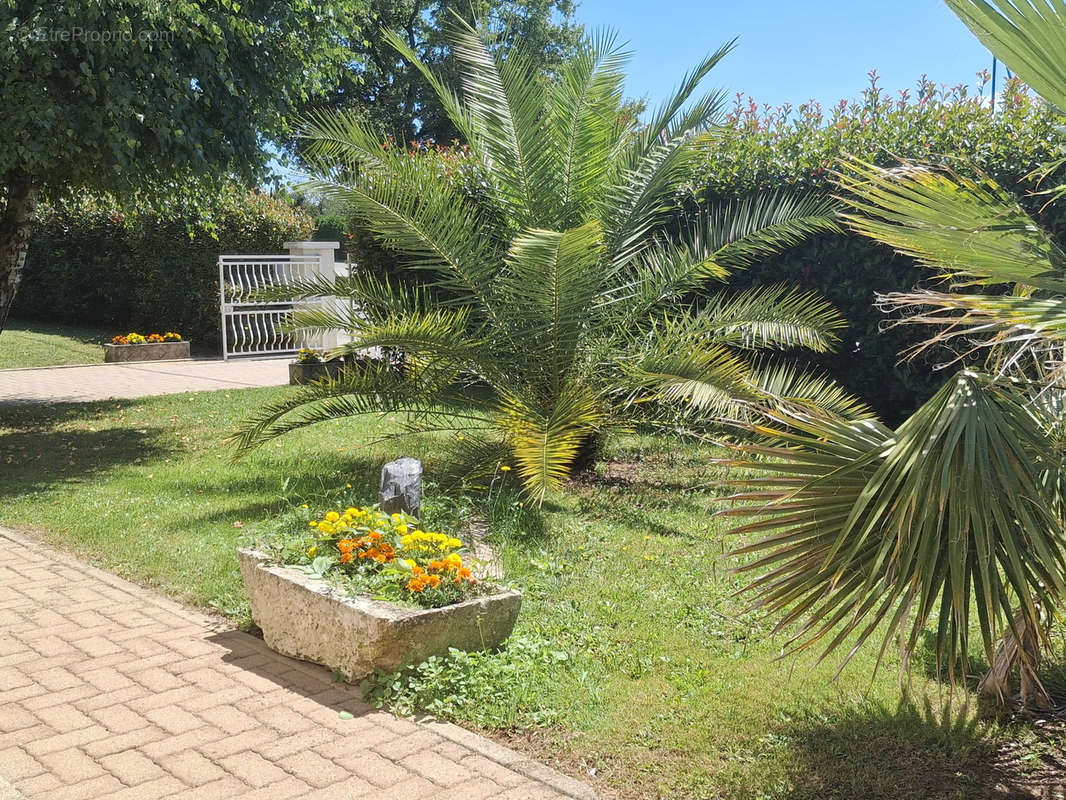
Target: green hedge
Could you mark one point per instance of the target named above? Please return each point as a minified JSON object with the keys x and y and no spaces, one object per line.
{"x":94,"y":261}
{"x":785,"y":149}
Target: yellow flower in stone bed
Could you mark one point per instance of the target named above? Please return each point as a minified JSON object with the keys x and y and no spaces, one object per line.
{"x":389,"y":550}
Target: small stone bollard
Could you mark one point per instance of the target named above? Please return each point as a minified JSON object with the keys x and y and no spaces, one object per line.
{"x":401,"y":486}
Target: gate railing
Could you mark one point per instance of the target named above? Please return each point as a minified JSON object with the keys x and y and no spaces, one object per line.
{"x":253,"y":327}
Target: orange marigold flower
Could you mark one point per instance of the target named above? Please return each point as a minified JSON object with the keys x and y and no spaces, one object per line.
{"x":345,"y":558}
{"x":415,"y":585}
{"x":433,"y":580}
{"x":464,"y":573}
{"x":346,"y":546}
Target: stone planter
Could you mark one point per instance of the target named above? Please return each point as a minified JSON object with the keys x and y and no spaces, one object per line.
{"x":306,"y":373}
{"x":151,"y":351}
{"x":304,"y":617}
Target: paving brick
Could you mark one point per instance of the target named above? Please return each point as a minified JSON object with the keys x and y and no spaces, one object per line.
{"x":410,"y":789}
{"x":58,"y":742}
{"x":199,"y":739}
{"x":105,"y":679}
{"x":96,"y":646}
{"x":222,"y":789}
{"x":372,"y":767}
{"x":230,"y":745}
{"x":158,"y":680}
{"x":18,"y":764}
{"x":167,"y":786}
{"x":436,"y":768}
{"x":132,"y":767}
{"x":13,"y":717}
{"x":71,"y":765}
{"x":116,"y":743}
{"x":229,"y":718}
{"x":37,"y":785}
{"x":314,"y":769}
{"x":253,"y":769}
{"x":118,"y":718}
{"x":192,"y":768}
{"x":92,"y":789}
{"x":173,"y":719}
{"x":492,"y":770}
{"x":107,"y":699}
{"x":64,"y":719}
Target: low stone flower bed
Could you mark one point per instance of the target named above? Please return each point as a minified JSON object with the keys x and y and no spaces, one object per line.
{"x":359,"y":590}
{"x":167,"y":346}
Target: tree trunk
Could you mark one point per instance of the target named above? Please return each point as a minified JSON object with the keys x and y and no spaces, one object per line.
{"x":21,"y":196}
{"x":588,"y":453}
{"x":1019,"y":653}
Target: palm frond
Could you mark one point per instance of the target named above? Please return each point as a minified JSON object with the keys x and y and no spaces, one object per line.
{"x":583,"y":113}
{"x":545,"y":441}
{"x":728,"y":236}
{"x":777,"y":316}
{"x":674,"y":365}
{"x":375,"y":389}
{"x":505,"y":99}
{"x":961,"y":226}
{"x":741,"y":232}
{"x":968,"y":323}
{"x":551,"y":281}
{"x":786,"y":385}
{"x":876,"y":534}
{"x":1028,"y":35}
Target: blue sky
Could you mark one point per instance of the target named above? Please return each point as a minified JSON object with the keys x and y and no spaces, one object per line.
{"x":791,"y":50}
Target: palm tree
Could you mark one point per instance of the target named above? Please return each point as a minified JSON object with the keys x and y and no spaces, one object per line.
{"x":548,"y":304}
{"x":877,"y":533}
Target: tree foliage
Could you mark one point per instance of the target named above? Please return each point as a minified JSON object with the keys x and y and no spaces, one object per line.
{"x":130,"y":95}
{"x":390,"y":91}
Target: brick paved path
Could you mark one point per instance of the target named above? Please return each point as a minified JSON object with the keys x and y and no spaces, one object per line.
{"x":105,"y":381}
{"x":109,"y":691}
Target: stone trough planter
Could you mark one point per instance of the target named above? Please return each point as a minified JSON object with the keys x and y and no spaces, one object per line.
{"x":304,"y":617}
{"x":306,"y":373}
{"x":151,"y":351}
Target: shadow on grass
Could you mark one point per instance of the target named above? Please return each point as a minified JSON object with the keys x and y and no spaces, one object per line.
{"x":907,"y":753}
{"x":78,"y":333}
{"x":38,"y":460}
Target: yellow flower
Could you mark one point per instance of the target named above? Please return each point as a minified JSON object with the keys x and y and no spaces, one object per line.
{"x":313,"y":524}
{"x":332,"y":516}
{"x":505,"y":468}
{"x":401,"y":529}
{"x":312,"y":552}
{"x":303,"y":505}
{"x":347,"y":486}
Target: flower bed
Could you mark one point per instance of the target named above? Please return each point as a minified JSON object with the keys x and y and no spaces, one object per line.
{"x":153,"y":347}
{"x":360,"y":590}
{"x":310,"y":365}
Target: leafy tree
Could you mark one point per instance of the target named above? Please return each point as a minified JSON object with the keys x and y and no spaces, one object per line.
{"x":397,"y":97}
{"x":548,"y":309}
{"x":137,"y":95}
{"x":960,"y":509}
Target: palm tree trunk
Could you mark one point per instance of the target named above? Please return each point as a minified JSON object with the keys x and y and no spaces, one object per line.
{"x":1024,"y":652}
{"x":21,"y":199}
{"x":588,"y":453}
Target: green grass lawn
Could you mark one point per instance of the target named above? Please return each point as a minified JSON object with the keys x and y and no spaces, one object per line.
{"x":42,"y":344}
{"x":633,"y":665}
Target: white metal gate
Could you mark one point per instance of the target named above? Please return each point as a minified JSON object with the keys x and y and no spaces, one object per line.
{"x":251,"y":327}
